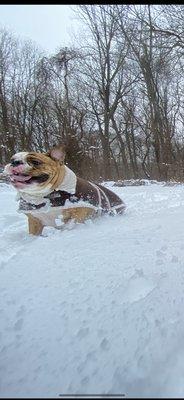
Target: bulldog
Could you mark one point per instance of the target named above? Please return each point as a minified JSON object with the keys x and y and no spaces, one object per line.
{"x":50,"y":193}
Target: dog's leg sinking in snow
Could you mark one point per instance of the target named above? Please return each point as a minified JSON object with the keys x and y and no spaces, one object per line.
{"x":78,"y":214}
{"x":34,"y":225}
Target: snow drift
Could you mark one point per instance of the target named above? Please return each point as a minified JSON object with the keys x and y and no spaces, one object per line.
{"x":96,"y":308}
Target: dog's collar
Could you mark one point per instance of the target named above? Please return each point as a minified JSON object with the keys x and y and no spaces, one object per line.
{"x":54,"y":199}
{"x":26,"y":206}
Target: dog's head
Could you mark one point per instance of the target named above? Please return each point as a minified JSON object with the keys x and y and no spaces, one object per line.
{"x":36,"y":172}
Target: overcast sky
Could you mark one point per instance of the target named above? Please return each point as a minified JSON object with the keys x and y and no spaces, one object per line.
{"x":50,"y":26}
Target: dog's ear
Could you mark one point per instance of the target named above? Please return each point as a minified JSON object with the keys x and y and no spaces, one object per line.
{"x":57,"y":153}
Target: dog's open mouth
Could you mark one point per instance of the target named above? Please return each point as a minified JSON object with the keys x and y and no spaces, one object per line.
{"x":28,"y":179}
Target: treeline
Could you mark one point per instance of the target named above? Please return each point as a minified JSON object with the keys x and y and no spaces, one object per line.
{"x":116,"y":100}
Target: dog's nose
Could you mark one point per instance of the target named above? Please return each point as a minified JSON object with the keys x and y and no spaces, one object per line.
{"x":15,"y":163}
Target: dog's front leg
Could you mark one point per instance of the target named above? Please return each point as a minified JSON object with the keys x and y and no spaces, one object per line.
{"x":34,"y":225}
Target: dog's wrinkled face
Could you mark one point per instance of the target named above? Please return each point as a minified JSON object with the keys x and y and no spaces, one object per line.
{"x":36,"y":172}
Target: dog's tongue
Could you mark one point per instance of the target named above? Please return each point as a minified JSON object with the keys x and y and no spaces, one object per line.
{"x":20,"y":178}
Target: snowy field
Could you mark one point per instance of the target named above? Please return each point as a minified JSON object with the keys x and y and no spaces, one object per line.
{"x":99,"y":307}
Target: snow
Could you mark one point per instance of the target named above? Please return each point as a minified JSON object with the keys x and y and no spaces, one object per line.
{"x":98,"y":307}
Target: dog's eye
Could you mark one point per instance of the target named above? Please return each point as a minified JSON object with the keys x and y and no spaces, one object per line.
{"x":36,"y":162}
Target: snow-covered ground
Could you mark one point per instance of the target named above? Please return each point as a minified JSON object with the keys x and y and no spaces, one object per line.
{"x":97,"y":308}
